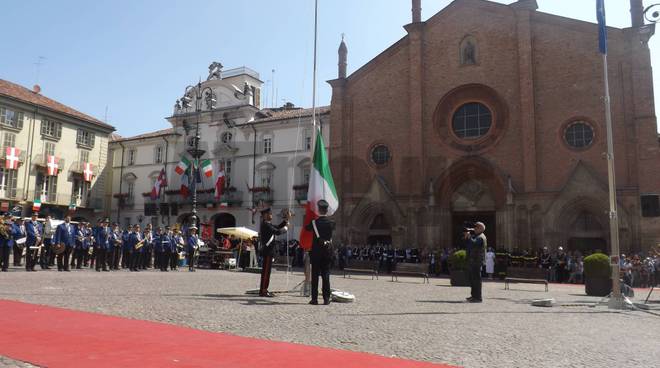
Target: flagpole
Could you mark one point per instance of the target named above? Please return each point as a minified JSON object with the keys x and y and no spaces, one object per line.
{"x":616,"y":300}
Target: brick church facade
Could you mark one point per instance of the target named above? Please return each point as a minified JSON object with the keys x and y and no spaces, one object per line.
{"x":494,"y":112}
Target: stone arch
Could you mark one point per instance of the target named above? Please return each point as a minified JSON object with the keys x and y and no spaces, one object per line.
{"x":220,"y":220}
{"x":471,"y":169}
{"x":363,"y":218}
{"x":582,"y":224}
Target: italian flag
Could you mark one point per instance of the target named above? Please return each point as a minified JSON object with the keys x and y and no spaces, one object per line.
{"x":219,"y":184}
{"x":36,"y":205}
{"x":321,"y":186}
{"x":207,"y":168}
{"x":182,"y":166}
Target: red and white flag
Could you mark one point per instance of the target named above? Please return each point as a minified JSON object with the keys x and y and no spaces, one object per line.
{"x":220,"y":183}
{"x":52,"y":165}
{"x":160,"y":183}
{"x":88,"y":173}
{"x":11,"y":159}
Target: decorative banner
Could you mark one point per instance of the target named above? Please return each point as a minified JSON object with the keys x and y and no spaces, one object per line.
{"x":36,"y":205}
{"x":11,"y":159}
{"x":72,"y":206}
{"x":52,"y":165}
{"x":219,"y":184}
{"x":207,"y":168}
{"x":88,"y":173}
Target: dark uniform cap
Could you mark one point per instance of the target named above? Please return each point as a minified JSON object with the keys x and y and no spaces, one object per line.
{"x":323,"y":204}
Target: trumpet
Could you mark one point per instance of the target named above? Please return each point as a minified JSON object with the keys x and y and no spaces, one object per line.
{"x":139,"y":244}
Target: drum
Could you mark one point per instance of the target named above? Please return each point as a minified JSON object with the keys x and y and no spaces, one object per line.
{"x":58,"y":248}
{"x":20,"y":243}
{"x":342,"y":297}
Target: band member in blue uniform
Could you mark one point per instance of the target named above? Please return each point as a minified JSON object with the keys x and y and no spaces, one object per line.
{"x":82,"y":245}
{"x":6,"y":241}
{"x":176,"y":246}
{"x":267,"y":233}
{"x":116,"y":241}
{"x":47,"y":258}
{"x":18,"y":232}
{"x":321,"y":254}
{"x":161,"y":242}
{"x":126,"y":249}
{"x":66,"y":235}
{"x":192,"y":243}
{"x":34,"y":233}
{"x":136,"y":241}
{"x":102,"y":246}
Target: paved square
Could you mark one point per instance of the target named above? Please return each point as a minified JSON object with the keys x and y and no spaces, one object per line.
{"x":407,"y":319}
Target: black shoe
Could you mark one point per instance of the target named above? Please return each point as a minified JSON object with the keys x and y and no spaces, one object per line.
{"x":313,"y":302}
{"x":98,"y":270}
{"x":4,"y":270}
{"x":67,"y":270}
{"x":469,"y":298}
{"x":474,"y":300}
{"x":327,"y":302}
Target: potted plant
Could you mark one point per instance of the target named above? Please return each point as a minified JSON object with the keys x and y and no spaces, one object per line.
{"x":597,"y":275}
{"x":458,"y":268}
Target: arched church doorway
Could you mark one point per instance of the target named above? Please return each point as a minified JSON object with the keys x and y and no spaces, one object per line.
{"x":586,"y":234}
{"x":221,"y":220}
{"x":473,"y":201}
{"x":380,"y":231}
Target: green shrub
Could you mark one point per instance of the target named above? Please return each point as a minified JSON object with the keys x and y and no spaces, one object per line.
{"x":597,"y":265}
{"x":458,"y":261}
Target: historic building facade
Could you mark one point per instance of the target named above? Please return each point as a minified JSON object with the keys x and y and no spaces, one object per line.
{"x":51,"y":154}
{"x":494,"y":112}
{"x":265,"y":154}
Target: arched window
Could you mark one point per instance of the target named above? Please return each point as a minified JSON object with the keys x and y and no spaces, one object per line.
{"x":579,"y":134}
{"x":468,"y":51}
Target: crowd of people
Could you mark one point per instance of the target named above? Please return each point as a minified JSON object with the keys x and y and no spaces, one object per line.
{"x":102,"y":247}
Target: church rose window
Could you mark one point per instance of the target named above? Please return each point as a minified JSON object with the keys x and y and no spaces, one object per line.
{"x":472,"y":121}
{"x":380,"y":155}
{"x":579,"y":134}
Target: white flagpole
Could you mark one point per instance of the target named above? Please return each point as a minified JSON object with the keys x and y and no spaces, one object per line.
{"x":307,"y":285}
{"x":616,"y":300}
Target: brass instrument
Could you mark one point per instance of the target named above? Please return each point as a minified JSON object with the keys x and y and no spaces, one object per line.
{"x":139,"y":244}
{"x":59,"y":248}
{"x":4,"y":231}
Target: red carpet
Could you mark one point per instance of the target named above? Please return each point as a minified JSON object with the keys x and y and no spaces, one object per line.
{"x":55,"y":337}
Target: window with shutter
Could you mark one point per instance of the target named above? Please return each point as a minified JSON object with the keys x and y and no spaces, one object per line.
{"x":650,"y":205}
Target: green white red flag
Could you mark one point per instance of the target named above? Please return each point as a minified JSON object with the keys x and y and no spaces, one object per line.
{"x":182,"y":166}
{"x":321,"y":186}
{"x":207,"y":167}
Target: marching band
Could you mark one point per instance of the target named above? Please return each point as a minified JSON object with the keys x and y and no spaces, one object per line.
{"x":101,"y":247}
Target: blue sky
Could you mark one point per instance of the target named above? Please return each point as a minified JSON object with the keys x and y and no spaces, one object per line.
{"x":137,"y":57}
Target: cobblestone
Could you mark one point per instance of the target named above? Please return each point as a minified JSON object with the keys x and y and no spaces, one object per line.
{"x":406,"y":319}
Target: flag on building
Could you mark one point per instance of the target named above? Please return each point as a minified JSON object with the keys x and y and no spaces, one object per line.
{"x":160,"y":183}
{"x":602,"y":26}
{"x":36,"y":205}
{"x":52,"y":165}
{"x":321,"y":186}
{"x":185,"y":184}
{"x":11,"y":158}
{"x":219,"y":183}
{"x":72,"y":206}
{"x":182,"y":166}
{"x":88,"y":173}
{"x":207,"y":168}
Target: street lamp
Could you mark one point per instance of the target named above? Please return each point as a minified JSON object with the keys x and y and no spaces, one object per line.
{"x":200,"y":95}
{"x":652,"y":13}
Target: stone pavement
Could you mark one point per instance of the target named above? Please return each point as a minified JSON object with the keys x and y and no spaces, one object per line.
{"x":406,"y":319}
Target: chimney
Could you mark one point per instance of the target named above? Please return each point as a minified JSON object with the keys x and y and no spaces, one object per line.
{"x":637,"y":13}
{"x":416,"y":11}
{"x":36,"y":89}
{"x":343,"y":60}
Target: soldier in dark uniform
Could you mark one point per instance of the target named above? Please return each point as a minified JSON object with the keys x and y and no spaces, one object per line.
{"x":321,"y":254}
{"x":475,"y":248}
{"x":267,"y":233}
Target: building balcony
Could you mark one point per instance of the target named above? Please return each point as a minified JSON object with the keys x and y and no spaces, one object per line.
{"x":86,"y":202}
{"x":3,"y":156}
{"x":42,"y":161}
{"x":124,"y":200}
{"x":229,"y":198}
{"x":11,"y":193}
{"x":300,"y":192}
{"x":262,"y":195}
{"x":78,"y":167}
{"x":221,"y":149}
{"x":54,"y":198}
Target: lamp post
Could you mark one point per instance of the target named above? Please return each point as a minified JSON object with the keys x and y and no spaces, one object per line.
{"x":199,"y":94}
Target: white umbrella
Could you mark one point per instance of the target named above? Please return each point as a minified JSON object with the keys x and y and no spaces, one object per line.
{"x":240,"y":232}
